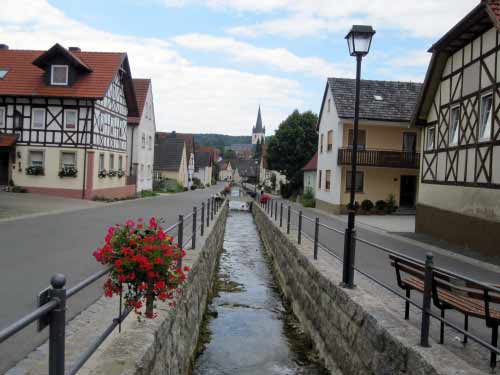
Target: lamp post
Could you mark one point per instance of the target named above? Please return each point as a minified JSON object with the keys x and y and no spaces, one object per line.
{"x":359,"y":40}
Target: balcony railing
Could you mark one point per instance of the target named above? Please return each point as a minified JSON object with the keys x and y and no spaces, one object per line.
{"x":381,"y":158}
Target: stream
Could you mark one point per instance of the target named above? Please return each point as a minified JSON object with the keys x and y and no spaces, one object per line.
{"x":247,"y":329}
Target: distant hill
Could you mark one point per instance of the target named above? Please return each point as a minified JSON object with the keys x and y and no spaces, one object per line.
{"x":220,"y":140}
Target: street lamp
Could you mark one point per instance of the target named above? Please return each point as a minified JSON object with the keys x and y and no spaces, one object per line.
{"x":359,"y":41}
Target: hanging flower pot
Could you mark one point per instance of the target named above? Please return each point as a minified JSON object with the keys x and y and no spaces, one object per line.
{"x":144,"y":265}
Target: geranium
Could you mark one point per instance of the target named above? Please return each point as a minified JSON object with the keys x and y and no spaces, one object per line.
{"x":144,"y":259}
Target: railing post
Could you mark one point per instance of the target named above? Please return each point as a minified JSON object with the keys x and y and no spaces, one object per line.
{"x":288,"y":219}
{"x":316,"y":238}
{"x":349,"y":258}
{"x":202,"y":221}
{"x":212,"y":211}
{"x":57,"y":335}
{"x":208,"y":213}
{"x":276,"y":211}
{"x":180,"y":238}
{"x":426,"y":301}
{"x":281,"y":214}
{"x":193,"y":243}
{"x":299,"y":235}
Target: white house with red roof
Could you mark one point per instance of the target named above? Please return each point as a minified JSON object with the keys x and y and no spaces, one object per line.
{"x":141,"y":135}
{"x":63,"y":121}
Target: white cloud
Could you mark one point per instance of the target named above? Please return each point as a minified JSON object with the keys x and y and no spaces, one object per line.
{"x":278,"y":58}
{"x":188,"y":97}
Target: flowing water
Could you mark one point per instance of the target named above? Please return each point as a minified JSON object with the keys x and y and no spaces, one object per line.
{"x":247,"y":329}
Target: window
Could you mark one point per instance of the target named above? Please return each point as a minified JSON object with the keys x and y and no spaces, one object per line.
{"x":101,"y":162}
{"x":361,"y":139}
{"x":3,"y":73}
{"x":111,"y":162}
{"x":150,"y":142}
{"x":329,"y":104}
{"x":149,"y":169}
{"x":329,"y":140}
{"x":485,"y":117}
{"x":38,"y":118}
{"x":143,"y":140}
{"x":321,"y":143}
{"x":36,"y":159}
{"x":2,"y":117}
{"x":120,"y":163}
{"x":70,"y":117}
{"x":18,"y":120}
{"x":68,"y":160}
{"x":359,"y":182}
{"x":328,"y":176}
{"x":319,"y":179}
{"x":431,"y":134}
{"x":142,"y":170}
{"x":454,"y":123}
{"x":59,"y":75}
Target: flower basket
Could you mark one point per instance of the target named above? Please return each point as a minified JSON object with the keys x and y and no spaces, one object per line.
{"x":35,"y":171}
{"x":112,"y":173}
{"x":68,"y":172}
{"x":120,"y":173}
{"x":102,"y":173}
{"x":144,"y":265}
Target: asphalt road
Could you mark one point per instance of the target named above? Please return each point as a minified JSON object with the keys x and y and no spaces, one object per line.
{"x":33,"y":249}
{"x":376,"y":263}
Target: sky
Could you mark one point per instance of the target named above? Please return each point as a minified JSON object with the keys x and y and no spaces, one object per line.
{"x":213,"y":62}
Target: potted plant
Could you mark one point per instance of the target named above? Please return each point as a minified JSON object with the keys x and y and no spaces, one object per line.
{"x":144,"y":265}
{"x":112,"y":173}
{"x":68,"y":172}
{"x":102,"y":173}
{"x":120,"y":173}
{"x":35,"y":170}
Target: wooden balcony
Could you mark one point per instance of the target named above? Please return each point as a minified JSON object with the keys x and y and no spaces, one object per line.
{"x":381,"y":158}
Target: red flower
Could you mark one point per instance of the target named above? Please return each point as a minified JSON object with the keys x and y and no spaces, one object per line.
{"x":152,"y":223}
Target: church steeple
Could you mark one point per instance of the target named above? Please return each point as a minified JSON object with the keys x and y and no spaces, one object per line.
{"x":258,"y":131}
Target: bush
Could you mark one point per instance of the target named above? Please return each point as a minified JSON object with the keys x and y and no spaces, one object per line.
{"x":193,"y":187}
{"x":380,"y":205}
{"x":366,"y":205}
{"x":391,"y":204}
{"x":148,"y":193}
{"x":308,"y":198}
{"x":285,"y":191}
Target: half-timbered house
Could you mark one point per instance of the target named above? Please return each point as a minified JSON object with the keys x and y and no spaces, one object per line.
{"x":459,"y":194}
{"x":63,"y":121}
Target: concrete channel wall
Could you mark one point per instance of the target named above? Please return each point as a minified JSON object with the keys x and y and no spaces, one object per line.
{"x":353,"y":330}
{"x":166,"y":344}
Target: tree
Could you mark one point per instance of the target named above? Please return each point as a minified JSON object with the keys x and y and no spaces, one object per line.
{"x":228,"y":154}
{"x":292,"y":146}
{"x":258,"y":150}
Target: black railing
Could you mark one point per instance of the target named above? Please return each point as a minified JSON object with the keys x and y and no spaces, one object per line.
{"x":430,"y":289}
{"x":380,"y":158}
{"x":52,"y":301}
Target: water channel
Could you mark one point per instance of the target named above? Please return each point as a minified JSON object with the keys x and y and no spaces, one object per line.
{"x":248,"y":330}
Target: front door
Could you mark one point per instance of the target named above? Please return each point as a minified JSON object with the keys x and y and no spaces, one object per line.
{"x":4,"y":168}
{"x":408,"y":191}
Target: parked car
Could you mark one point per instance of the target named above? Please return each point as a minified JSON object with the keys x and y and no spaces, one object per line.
{"x":264,"y":198}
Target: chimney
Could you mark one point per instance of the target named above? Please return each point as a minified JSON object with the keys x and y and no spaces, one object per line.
{"x":173,"y":134}
{"x":3,"y":47}
{"x":74,"y":49}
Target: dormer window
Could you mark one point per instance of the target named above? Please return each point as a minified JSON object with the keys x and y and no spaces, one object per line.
{"x":3,"y":73}
{"x":59,"y":75}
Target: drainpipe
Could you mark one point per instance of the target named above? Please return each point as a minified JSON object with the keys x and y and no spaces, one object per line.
{"x":131,"y":152}
{"x":85,"y":147}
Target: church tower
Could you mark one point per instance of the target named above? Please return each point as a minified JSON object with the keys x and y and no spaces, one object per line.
{"x":258,"y":131}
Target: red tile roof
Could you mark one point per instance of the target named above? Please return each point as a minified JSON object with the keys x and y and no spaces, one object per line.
{"x":141,"y":87}
{"x":26,"y":79}
{"x":312,"y":165}
{"x":7,"y":140}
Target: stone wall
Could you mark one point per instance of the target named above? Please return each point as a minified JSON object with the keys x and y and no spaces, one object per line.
{"x":353,"y":330}
{"x":166,"y":345}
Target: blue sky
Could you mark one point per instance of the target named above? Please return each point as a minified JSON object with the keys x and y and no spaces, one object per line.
{"x":213,"y":62}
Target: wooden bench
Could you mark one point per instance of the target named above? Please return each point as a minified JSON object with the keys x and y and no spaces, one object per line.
{"x":451,"y":293}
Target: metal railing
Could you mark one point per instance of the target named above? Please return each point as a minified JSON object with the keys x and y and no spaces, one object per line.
{"x":269,"y":207}
{"x":52,"y":301}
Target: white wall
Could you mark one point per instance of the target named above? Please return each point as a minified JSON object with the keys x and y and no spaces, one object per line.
{"x":328,"y":159}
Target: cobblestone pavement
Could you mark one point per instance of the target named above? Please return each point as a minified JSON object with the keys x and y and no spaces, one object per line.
{"x":35,"y":248}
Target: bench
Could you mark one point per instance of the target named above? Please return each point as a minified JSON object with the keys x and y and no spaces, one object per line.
{"x":450,"y":293}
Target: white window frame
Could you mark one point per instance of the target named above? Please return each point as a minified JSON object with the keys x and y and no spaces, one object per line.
{"x":111,"y":162}
{"x":428,"y":131}
{"x":143,"y":140}
{"x":486,"y":136}
{"x":30,"y":159}
{"x":42,"y":110}
{"x":452,"y":136}
{"x":120,"y":162}
{"x":101,"y":166}
{"x":2,"y":117}
{"x":62,"y":159}
{"x":52,"y":75}
{"x":150,"y":142}
{"x":66,"y":111}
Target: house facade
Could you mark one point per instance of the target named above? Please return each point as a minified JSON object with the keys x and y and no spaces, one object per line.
{"x":225,"y":170}
{"x":63,"y":121}
{"x":203,"y":167}
{"x":189,"y":141}
{"x":387,"y":162}
{"x":266,"y":174}
{"x":310,"y":172}
{"x":459,"y":193}
{"x":141,"y":134}
{"x":170,"y":160}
